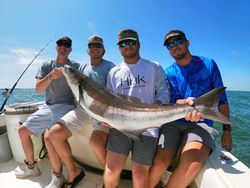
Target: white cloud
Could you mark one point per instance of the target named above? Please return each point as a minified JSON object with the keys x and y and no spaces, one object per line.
{"x":15,"y":61}
{"x":92,"y":27}
{"x":24,"y":56}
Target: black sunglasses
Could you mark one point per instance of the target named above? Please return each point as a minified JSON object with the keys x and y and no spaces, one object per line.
{"x":127,"y":42}
{"x":95,"y":45}
{"x":66,"y":45}
{"x":174,"y":43}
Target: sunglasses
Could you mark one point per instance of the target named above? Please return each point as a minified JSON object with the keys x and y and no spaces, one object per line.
{"x":127,"y":42}
{"x":95,"y":45}
{"x":176,"y":42}
{"x":65,"y":45}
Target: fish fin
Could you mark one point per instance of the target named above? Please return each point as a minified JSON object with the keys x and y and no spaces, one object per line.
{"x":134,"y":135}
{"x":210,"y":113}
{"x":80,"y":93}
{"x":209,"y":105}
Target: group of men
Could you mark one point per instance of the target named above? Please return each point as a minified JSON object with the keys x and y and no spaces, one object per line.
{"x":193,"y":138}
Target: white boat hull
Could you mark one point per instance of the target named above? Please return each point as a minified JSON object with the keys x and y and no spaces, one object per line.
{"x":216,"y":172}
{"x":82,"y":150}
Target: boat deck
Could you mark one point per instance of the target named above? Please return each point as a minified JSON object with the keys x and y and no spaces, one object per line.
{"x":9,"y":180}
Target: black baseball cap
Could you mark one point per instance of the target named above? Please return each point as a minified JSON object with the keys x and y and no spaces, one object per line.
{"x":64,"y":40}
{"x":173,"y":33}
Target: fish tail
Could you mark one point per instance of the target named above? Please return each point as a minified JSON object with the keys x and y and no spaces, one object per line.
{"x":208,"y":105}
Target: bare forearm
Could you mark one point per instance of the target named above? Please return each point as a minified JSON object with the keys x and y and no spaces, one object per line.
{"x":226,"y":137}
{"x":43,"y":84}
{"x":224,"y":109}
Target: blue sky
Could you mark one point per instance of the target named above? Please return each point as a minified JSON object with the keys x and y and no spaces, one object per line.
{"x":217,"y":29}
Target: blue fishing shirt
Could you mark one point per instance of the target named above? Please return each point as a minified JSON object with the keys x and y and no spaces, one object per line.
{"x":197,"y":78}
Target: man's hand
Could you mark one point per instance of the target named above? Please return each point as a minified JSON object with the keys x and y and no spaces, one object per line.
{"x":193,"y":116}
{"x":56,"y":73}
{"x":105,"y":124}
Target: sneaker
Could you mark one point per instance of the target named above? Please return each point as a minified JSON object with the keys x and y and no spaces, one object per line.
{"x":57,"y":181}
{"x":29,"y":171}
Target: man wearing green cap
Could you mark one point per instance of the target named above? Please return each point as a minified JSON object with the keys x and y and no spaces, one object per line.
{"x":57,"y":138}
{"x":144,"y":80}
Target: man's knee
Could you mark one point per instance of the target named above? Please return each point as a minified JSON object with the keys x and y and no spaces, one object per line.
{"x":46,"y":137}
{"x":112,"y":172}
{"x":193,"y":160}
{"x":98,"y":139}
{"x":24,"y":132}
{"x":140,"y":173}
{"x":163,"y":158}
{"x":59,"y":132}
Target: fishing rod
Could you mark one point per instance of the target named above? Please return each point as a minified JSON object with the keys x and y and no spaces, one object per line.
{"x":9,"y":93}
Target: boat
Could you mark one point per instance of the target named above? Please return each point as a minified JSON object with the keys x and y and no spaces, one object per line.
{"x":221,"y":169}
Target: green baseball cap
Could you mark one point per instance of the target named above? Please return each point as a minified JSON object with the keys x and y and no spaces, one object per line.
{"x":95,"y":39}
{"x":127,"y":34}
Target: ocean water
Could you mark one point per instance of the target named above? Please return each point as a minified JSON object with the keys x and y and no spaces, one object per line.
{"x":239,"y":102}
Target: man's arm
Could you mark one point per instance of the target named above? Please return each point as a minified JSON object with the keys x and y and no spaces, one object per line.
{"x":43,"y":83}
{"x":226,"y":137}
{"x":162,"y":88}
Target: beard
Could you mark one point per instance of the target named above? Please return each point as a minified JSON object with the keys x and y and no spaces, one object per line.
{"x":179,"y":54}
{"x":130,"y":53}
{"x":96,"y":56}
{"x":63,"y":53}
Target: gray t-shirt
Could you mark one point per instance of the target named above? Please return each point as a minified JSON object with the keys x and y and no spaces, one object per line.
{"x":97,"y":73}
{"x":58,"y":91}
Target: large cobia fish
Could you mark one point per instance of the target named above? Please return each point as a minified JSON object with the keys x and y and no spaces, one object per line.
{"x":128,"y":114}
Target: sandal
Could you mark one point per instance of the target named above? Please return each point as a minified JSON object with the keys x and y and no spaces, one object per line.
{"x":76,"y":180}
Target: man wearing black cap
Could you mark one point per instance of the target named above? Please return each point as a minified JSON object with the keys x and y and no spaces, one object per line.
{"x":59,"y":101}
{"x":144,"y":80}
{"x":189,"y":77}
{"x":57,"y":137}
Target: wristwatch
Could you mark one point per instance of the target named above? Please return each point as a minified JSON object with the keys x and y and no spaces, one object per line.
{"x":227,"y":127}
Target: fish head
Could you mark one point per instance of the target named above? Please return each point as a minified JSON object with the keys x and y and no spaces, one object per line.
{"x":72,"y":75}
{"x":74,"y":79}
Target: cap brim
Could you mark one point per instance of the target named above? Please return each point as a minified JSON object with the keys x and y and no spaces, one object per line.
{"x":96,"y":43}
{"x":63,"y":41}
{"x":170,"y":36}
{"x":127,"y":38}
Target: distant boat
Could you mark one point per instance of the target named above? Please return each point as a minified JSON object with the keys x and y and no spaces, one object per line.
{"x":221,"y":169}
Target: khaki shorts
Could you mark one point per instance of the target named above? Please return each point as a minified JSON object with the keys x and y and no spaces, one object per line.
{"x":77,"y":118}
{"x":46,"y":117}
